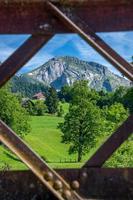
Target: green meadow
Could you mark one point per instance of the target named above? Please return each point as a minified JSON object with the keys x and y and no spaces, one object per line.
{"x":45,"y":139}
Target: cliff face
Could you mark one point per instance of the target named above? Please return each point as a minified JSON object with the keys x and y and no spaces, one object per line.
{"x":61,"y":71}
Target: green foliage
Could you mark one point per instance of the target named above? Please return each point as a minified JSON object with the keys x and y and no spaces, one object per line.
{"x":29,"y":106}
{"x":60,"y":111}
{"x":81,"y":126}
{"x":65,"y":93}
{"x":81,"y":91}
{"x":12,"y":113}
{"x":35,"y":107}
{"x":52,"y":101}
{"x":128,"y":99}
{"x":92,"y":115}
{"x":26,"y":87}
{"x":105,"y":99}
{"x":118,"y":94}
{"x":39,"y":108}
{"x":86,"y":121}
{"x":122,"y":157}
{"x":109,"y":98}
{"x":115,"y":115}
{"x":45,"y":139}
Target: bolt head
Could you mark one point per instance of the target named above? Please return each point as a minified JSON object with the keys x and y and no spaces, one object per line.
{"x":67,"y":194}
{"x":32,"y":185}
{"x":48,"y":176}
{"x":58,"y":185}
{"x":75,"y":185}
{"x":84,"y":175}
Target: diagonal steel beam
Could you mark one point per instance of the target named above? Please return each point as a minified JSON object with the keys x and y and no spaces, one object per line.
{"x":54,"y":182}
{"x":112,"y":144}
{"x":21,"y":56}
{"x":96,"y":42}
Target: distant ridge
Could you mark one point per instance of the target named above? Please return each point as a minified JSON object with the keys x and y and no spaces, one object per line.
{"x":61,"y":71}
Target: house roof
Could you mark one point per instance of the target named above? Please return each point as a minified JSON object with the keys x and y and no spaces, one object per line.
{"x":40,"y":95}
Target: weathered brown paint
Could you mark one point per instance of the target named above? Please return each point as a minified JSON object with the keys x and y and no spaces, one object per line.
{"x":98,"y":183}
{"x":102,"y":183}
{"x":26,"y":16}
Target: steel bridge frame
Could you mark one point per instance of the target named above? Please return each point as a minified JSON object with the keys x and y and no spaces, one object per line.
{"x":42,"y":19}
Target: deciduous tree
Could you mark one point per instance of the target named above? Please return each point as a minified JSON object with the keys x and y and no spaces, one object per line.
{"x":12,"y":113}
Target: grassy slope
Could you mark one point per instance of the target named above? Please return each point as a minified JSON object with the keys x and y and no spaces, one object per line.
{"x":45,"y":139}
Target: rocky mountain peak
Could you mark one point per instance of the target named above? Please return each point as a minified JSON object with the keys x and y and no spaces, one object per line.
{"x":61,"y":71}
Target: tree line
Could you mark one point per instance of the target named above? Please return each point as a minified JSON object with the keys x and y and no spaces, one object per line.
{"x":91,"y":115}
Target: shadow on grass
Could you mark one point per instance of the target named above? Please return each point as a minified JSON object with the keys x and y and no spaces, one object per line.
{"x":12,"y":157}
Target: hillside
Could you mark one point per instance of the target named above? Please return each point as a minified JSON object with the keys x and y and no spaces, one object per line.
{"x":61,"y":71}
{"x":45,"y":139}
{"x":26,"y":86}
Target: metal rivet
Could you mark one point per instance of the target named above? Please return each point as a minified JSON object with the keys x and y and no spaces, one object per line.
{"x":48,"y":176}
{"x":84,"y":175}
{"x":75,"y":185}
{"x":32,"y":185}
{"x":67,"y":194}
{"x":58,"y":185}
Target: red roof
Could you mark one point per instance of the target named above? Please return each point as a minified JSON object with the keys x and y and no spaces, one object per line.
{"x":39,"y":95}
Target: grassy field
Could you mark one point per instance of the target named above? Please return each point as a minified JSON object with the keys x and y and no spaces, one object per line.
{"x":45,"y":139}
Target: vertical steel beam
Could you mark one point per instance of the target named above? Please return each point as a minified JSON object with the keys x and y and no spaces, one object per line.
{"x":97,"y":43}
{"x":21,"y":56}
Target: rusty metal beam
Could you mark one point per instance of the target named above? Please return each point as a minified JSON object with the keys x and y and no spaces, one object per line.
{"x":72,"y":2}
{"x":96,"y":183}
{"x":112,"y":144}
{"x":46,"y":175}
{"x":29,"y":16}
{"x":90,"y":2}
{"x":104,"y":15}
{"x":21,"y":56}
{"x":97,"y":43}
{"x":102,"y":183}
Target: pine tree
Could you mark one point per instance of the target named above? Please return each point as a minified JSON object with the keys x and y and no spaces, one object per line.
{"x":52,"y":101}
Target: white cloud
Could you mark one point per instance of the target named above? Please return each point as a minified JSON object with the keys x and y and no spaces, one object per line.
{"x":58,"y":41}
{"x":86,"y":52}
{"x":9,"y":43}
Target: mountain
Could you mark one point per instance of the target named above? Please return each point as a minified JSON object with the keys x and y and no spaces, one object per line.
{"x":60,"y":71}
{"x":27,"y":87}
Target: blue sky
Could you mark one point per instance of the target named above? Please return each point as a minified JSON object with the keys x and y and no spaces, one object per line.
{"x":70,"y":45}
